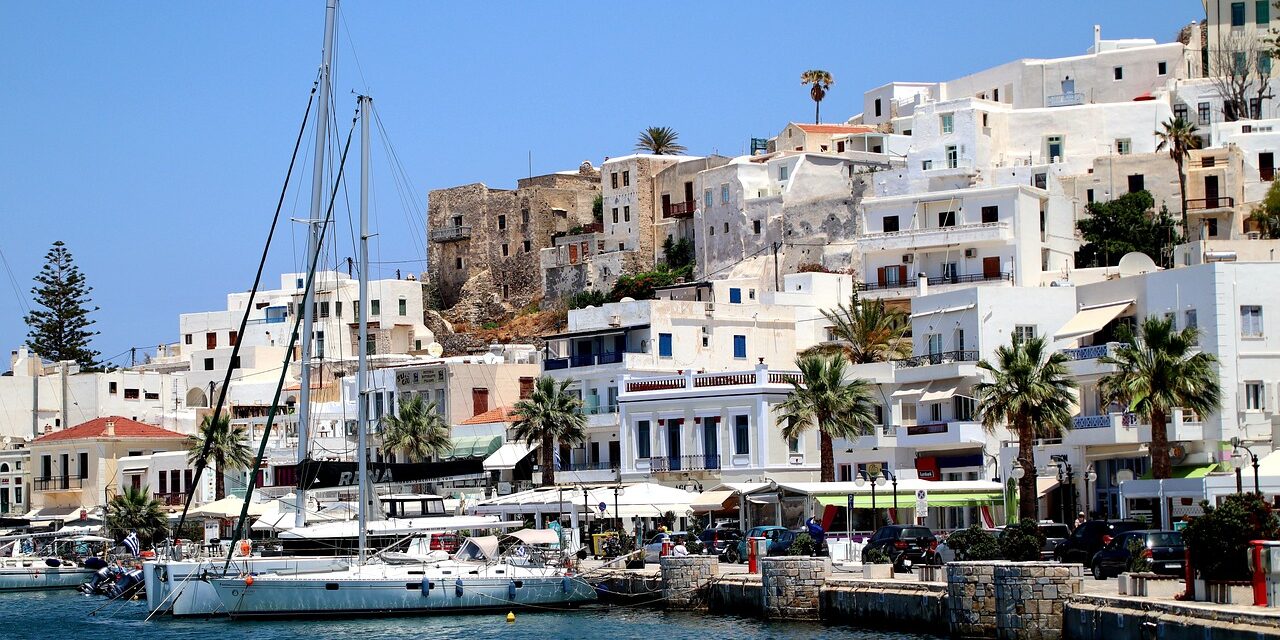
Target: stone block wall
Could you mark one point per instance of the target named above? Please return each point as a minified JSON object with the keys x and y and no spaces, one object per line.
{"x":971,"y":599}
{"x":685,"y":580}
{"x":793,"y":586}
{"x":1030,"y":597}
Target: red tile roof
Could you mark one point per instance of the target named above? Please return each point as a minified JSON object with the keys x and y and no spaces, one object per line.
{"x":835,"y":128}
{"x":97,"y":428}
{"x":501,"y":414}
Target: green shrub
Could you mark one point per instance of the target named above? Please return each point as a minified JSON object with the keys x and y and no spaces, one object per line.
{"x":974,"y":544}
{"x":588,"y":298}
{"x":803,"y":545}
{"x":876,"y":556}
{"x":694,"y":541}
{"x":1022,"y":542}
{"x":1219,"y":539}
{"x":1138,"y":560}
{"x":640,"y":286}
{"x":677,"y":253}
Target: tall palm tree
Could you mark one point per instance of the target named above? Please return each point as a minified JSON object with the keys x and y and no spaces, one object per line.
{"x":820,"y":81}
{"x":866,"y":331}
{"x":1031,"y":392}
{"x":136,"y":511}
{"x":822,"y":398}
{"x":659,"y":141}
{"x":419,"y":430}
{"x":549,"y":415}
{"x":1179,"y":137}
{"x":227,"y":450}
{"x":1159,"y":369}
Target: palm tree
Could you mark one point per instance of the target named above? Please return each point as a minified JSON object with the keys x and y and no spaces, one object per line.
{"x":659,"y":141}
{"x":227,"y":450}
{"x":820,"y":81}
{"x":822,"y":398}
{"x":419,"y":430}
{"x":866,"y":331}
{"x":136,"y":511}
{"x":1032,"y":393}
{"x":1158,"y":370}
{"x":549,"y":415}
{"x":1179,"y":137}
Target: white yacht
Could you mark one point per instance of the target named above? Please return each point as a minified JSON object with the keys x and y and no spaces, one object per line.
{"x":28,"y":563}
{"x":475,"y":579}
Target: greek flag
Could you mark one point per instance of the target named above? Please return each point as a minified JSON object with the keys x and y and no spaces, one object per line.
{"x":131,"y":543}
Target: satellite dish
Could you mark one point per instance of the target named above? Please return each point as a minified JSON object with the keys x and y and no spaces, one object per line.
{"x":1136,"y":264}
{"x":26,"y":438}
{"x":627,"y":299}
{"x":434,"y":349}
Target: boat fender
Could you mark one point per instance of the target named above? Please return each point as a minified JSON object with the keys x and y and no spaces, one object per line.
{"x":457,"y":587}
{"x":511,"y":591}
{"x":248,"y":581}
{"x":426,"y":586}
{"x":53,"y":562}
{"x":564,"y":585}
{"x":511,"y":616}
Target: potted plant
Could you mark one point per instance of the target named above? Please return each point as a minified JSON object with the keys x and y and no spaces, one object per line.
{"x":877,"y":564}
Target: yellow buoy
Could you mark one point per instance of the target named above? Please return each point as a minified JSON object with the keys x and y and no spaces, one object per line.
{"x":511,"y":616}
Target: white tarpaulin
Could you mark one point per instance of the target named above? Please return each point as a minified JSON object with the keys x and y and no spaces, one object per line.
{"x":482,"y":548}
{"x":711,"y":500}
{"x":228,"y":507}
{"x":536,"y":536}
{"x":1091,"y":320}
{"x":508,"y":456}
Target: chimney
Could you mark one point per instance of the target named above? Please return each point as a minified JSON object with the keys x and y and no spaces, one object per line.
{"x":1097,"y":38}
{"x":111,"y":428}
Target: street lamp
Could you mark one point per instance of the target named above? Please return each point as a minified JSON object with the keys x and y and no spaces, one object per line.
{"x":1066,"y":477}
{"x":861,"y":479}
{"x":1004,"y":493}
{"x":1090,"y":477}
{"x":1236,"y":445}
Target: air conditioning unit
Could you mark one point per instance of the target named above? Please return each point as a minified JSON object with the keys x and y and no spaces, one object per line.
{"x":615,"y":320}
{"x":796,"y":460}
{"x":908,"y":258}
{"x":970,"y":253}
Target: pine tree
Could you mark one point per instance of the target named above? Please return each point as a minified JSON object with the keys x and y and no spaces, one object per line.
{"x":60,"y":331}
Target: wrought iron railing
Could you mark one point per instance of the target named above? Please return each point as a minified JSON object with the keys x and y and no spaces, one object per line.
{"x":449,"y":234}
{"x":1220,"y":202}
{"x":942,"y":357}
{"x":701,"y":462}
{"x":171,"y":499}
{"x":911,"y":281}
{"x":1091,"y":352}
{"x":679,"y":209}
{"x":58,"y":484}
{"x":590,"y":466}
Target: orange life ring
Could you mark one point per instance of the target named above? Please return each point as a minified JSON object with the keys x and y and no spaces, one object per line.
{"x":246,"y":547}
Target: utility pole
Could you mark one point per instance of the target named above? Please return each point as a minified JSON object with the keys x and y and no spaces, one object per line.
{"x":777,"y":278}
{"x":313,"y":242}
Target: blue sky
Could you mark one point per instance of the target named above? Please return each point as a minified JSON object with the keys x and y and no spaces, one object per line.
{"x":152,"y":137}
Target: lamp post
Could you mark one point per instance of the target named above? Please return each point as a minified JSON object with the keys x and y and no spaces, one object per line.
{"x":1004,"y":495}
{"x":893,"y":477}
{"x":1017,"y":473}
{"x":1237,"y":444}
{"x":1066,"y":477}
{"x":862,"y":478}
{"x":1090,"y":477}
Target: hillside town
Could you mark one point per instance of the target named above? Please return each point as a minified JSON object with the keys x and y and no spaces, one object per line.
{"x":935,"y":306}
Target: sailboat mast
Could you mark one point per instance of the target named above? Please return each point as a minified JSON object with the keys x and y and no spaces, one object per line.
{"x":362,"y":371}
{"x":313,"y":241}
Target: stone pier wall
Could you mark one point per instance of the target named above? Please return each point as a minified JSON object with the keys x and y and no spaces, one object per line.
{"x":685,"y":580}
{"x":971,"y":599}
{"x":1030,"y":597}
{"x":892,"y":605}
{"x":793,"y":586}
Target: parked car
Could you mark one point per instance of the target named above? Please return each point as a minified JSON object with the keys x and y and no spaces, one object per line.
{"x":1089,"y":538}
{"x":718,"y":539}
{"x":1054,"y":534}
{"x":896,"y":539}
{"x":780,"y":539}
{"x":653,"y":550}
{"x":1163,"y":548}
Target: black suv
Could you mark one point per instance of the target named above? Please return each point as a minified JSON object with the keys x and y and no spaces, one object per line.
{"x":718,"y":538}
{"x":899,"y":538}
{"x":1089,"y":538}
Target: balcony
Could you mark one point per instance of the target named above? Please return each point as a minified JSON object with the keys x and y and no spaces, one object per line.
{"x":916,"y":239}
{"x":1105,"y":429}
{"x":760,"y":376}
{"x":63,"y":483}
{"x":590,"y":466}
{"x":679,"y":209}
{"x":584,"y":360}
{"x":942,"y":435}
{"x":668,"y":464}
{"x":943,"y":357}
{"x":1086,"y":361}
{"x":171,"y":499}
{"x":911,"y":282}
{"x":1092,"y":352}
{"x":1065,"y":100}
{"x":1207,"y":204}
{"x":450,"y":234}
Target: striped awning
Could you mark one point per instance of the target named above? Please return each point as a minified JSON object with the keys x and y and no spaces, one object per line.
{"x":472,"y":447}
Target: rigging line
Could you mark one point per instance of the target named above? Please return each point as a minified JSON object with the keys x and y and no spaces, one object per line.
{"x":284,"y":370}
{"x":346,"y":30}
{"x":244,"y":319}
{"x":413,"y":203}
{"x":13,"y":282}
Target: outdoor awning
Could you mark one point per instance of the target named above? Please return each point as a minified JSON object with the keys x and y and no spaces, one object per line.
{"x":908,"y":500}
{"x":1092,"y":319}
{"x":1045,"y":484}
{"x":1188,"y":471}
{"x":508,"y":456}
{"x":711,"y":501}
{"x":481,"y":548}
{"x":472,"y":447}
{"x":930,"y":312}
{"x":228,"y":507}
{"x":938,"y":392}
{"x":536,"y":536}
{"x":911,"y":390}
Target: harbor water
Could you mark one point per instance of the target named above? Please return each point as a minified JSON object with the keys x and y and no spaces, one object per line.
{"x":71,"y":615}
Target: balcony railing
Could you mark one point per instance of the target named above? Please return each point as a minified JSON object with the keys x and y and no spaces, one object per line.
{"x":58,"y":484}
{"x":913,"y":281}
{"x":584,"y":360}
{"x":702,"y":462}
{"x":1102,"y":421}
{"x":171,"y":499}
{"x":590,"y":466}
{"x":1092,"y":352}
{"x":707,"y":380}
{"x":656,"y":384}
{"x":679,"y":209}
{"x":599,"y":410}
{"x":942,"y":357}
{"x":1220,"y":202}
{"x":450,"y":234}
{"x":1065,"y":99}
{"x":926,"y":429}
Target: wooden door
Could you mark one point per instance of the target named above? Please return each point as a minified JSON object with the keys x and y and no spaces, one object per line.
{"x":991,"y":267}
{"x":479,"y":400}
{"x":1211,"y":192}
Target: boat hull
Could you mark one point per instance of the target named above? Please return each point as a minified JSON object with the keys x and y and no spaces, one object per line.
{"x":41,"y":577}
{"x":347,"y":596}
{"x":176,"y":587}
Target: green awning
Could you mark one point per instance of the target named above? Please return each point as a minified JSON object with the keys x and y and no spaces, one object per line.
{"x":472,"y":447}
{"x":908,"y":500}
{"x":1188,"y":471}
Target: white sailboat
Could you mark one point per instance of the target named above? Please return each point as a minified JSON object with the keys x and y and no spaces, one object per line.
{"x":31,"y":570}
{"x":477,"y":578}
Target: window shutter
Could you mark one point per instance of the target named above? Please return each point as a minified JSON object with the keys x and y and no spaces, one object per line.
{"x":902,"y":274}
{"x":880,"y":276}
